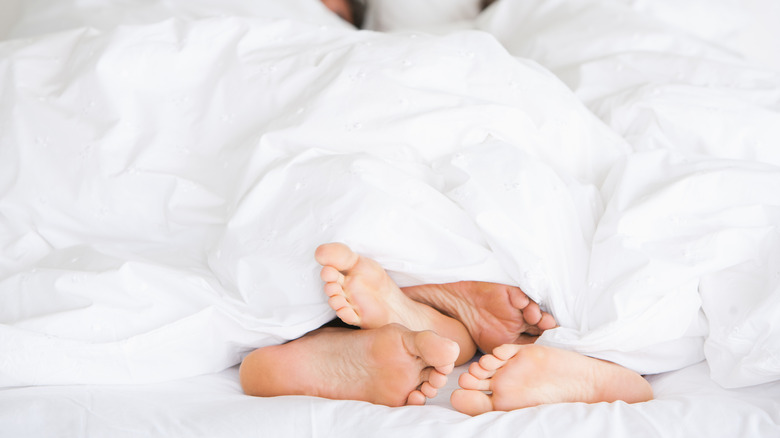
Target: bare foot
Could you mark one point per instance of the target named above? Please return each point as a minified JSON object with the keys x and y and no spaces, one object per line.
{"x":391,"y":365}
{"x":494,"y":314}
{"x":362,"y":294}
{"x":522,"y":376}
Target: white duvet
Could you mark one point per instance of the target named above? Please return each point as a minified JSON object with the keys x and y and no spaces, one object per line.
{"x":164,"y":182}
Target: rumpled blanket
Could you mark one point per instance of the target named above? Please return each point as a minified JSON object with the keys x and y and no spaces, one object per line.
{"x":164,"y":183}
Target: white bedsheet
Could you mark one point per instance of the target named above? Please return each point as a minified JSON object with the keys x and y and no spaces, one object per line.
{"x":164,"y":182}
{"x":688,"y":404}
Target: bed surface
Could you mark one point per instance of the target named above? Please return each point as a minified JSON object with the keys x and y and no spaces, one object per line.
{"x":687,"y":404}
{"x":167,"y":169}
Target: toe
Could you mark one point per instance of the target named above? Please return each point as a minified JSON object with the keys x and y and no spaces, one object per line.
{"x":479,"y":372}
{"x":338,"y":255}
{"x":518,"y":299}
{"x":468,"y":381}
{"x":333,"y":289}
{"x":437,"y":379}
{"x":532,"y":314}
{"x":434,"y":350}
{"x":506,"y":352}
{"x":446,"y":369}
{"x":547,"y":322}
{"x":329,"y":274}
{"x":428,"y":390}
{"x":416,"y":398}
{"x":348,"y":315}
{"x":471,"y":402}
{"x":338,"y":302}
{"x":490,"y":362}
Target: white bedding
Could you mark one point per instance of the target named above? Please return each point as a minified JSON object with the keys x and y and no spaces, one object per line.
{"x":688,"y":404}
{"x":167,"y":169}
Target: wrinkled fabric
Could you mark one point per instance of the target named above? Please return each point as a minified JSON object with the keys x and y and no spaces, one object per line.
{"x":691,"y":217}
{"x":163,"y":186}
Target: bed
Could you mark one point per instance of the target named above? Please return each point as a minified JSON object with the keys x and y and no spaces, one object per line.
{"x":167,"y":169}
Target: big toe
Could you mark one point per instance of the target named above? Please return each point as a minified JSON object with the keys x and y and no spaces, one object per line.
{"x":471,"y":402}
{"x":436,"y":351}
{"x":336,"y":254}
